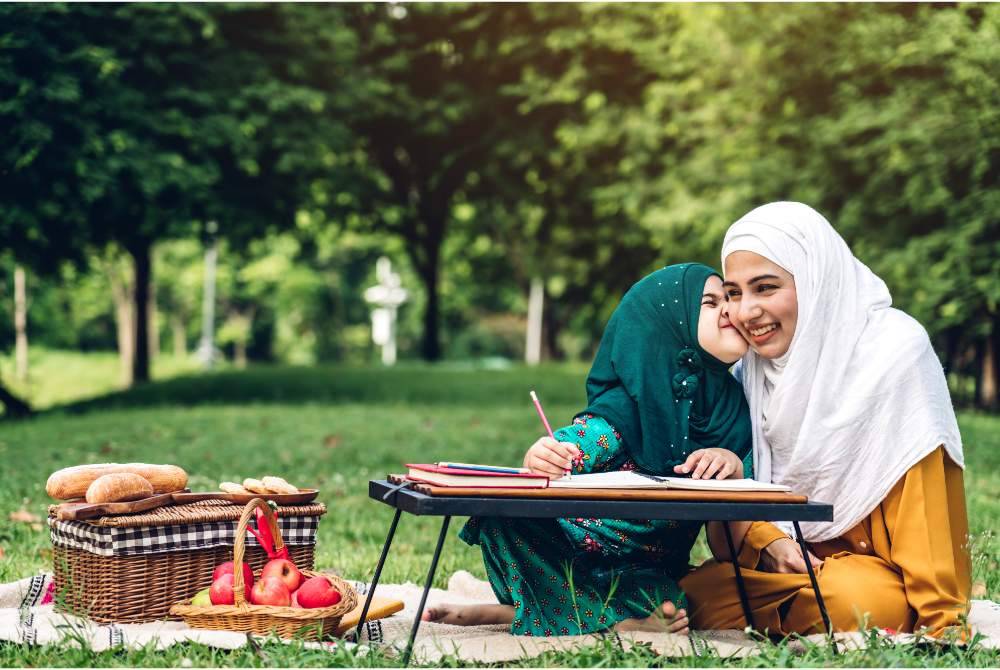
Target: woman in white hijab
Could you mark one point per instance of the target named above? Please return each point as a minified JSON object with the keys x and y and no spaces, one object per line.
{"x":849,"y":406}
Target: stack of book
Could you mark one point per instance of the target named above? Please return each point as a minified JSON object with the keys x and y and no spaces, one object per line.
{"x":471,"y":475}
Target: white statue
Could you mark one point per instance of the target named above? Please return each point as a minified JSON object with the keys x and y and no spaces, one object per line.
{"x":386,"y":296}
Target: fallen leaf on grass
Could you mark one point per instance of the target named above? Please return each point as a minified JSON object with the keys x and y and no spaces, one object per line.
{"x":1,"y":552}
{"x":24,"y":516}
{"x":979,"y":590}
{"x":331,"y":441}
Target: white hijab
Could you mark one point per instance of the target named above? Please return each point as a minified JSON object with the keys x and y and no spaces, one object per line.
{"x":859,"y":397}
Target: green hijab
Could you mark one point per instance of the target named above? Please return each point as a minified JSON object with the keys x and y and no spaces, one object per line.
{"x":654,"y":383}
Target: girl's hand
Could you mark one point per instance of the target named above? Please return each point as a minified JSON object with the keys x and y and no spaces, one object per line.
{"x":550,"y":457}
{"x":706,"y":463}
{"x":784,"y":555}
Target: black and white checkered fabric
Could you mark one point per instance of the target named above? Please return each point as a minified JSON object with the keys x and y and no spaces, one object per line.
{"x":118,"y":541}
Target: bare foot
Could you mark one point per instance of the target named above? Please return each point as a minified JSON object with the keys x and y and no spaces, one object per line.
{"x":469,"y":615}
{"x":667,"y":619}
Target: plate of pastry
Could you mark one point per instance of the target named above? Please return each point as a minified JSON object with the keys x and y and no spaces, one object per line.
{"x":267,"y":488}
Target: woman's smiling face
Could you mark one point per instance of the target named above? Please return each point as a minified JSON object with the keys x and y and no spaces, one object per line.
{"x":762,"y":302}
{"x":716,"y":333}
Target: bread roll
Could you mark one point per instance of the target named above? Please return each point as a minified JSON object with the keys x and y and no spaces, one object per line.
{"x":233,"y":487}
{"x":119,"y":487}
{"x":278,"y":485}
{"x":73,"y":482}
{"x":255,"y":485}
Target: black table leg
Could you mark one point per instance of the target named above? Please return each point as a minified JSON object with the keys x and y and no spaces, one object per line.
{"x":427,"y":588}
{"x":378,"y":573}
{"x":744,"y":600}
{"x":812,"y":578}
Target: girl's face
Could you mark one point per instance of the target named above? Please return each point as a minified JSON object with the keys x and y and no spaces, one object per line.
{"x":716,"y":333}
{"x":762,"y":302}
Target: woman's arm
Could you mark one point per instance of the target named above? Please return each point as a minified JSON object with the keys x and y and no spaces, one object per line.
{"x":759,"y":546}
{"x":717,"y":538}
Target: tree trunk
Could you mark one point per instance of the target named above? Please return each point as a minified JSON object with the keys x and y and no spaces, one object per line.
{"x":240,"y":353}
{"x":154,"y":327}
{"x":179,"y":336}
{"x":14,"y":406}
{"x":988,"y":397}
{"x":121,"y":294}
{"x":206,"y":346}
{"x":245,"y":322}
{"x":550,"y":332}
{"x":533,"y":338}
{"x":143,"y":260}
{"x":431,"y":347}
{"x":426,"y":255}
{"x":995,"y":338}
{"x":20,"y":325}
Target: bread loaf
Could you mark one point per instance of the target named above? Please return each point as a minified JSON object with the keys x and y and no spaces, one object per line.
{"x":119,"y":487}
{"x":73,"y":482}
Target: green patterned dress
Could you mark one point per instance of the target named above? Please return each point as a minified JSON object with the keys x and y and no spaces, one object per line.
{"x":574,"y":576}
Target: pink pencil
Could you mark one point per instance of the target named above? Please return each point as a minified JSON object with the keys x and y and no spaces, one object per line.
{"x":545,"y":422}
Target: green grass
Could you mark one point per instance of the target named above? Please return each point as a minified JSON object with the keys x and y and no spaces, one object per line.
{"x":337,"y":427}
{"x":58,"y":377}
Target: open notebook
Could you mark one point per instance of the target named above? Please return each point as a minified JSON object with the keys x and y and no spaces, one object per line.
{"x":635,"y":480}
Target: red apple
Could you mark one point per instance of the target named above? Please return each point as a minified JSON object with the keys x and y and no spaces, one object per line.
{"x":221,"y":591}
{"x":227,"y":569}
{"x":317,"y":591}
{"x":284,"y":570}
{"x":270,"y":591}
{"x":295,"y":599}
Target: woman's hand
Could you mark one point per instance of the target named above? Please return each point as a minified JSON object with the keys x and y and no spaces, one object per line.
{"x":550,"y":457}
{"x":706,"y":463}
{"x":784,"y":555}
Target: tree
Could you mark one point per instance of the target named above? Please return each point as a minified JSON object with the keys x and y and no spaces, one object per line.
{"x":165,"y":116}
{"x":885,"y":118}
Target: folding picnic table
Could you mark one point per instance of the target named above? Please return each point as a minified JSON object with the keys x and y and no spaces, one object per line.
{"x":420,"y":504}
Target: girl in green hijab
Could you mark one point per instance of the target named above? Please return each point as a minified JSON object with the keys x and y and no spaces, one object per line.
{"x":660,"y":399}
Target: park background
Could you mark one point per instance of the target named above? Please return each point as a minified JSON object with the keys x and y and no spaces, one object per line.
{"x":486,"y":150}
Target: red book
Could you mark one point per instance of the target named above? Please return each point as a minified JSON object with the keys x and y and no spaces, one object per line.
{"x":428,"y":473}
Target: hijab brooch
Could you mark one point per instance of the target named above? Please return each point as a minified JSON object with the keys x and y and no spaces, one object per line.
{"x":685,"y":382}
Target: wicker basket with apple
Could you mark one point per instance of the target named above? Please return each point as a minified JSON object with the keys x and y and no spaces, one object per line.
{"x":280,"y":599}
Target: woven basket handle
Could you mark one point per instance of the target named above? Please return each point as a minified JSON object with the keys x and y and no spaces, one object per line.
{"x":239,"y":590}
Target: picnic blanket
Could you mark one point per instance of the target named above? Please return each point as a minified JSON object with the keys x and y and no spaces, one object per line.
{"x":27,"y":616}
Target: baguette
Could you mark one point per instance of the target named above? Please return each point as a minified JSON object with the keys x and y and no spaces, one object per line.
{"x":119,"y":487}
{"x":73,"y":482}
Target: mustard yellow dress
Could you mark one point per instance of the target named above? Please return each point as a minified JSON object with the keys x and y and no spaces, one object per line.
{"x":905,"y":567}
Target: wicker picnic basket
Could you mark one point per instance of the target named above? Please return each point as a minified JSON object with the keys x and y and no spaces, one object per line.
{"x":286,"y":622}
{"x":134,"y":568}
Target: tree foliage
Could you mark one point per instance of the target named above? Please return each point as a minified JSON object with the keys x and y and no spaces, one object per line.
{"x":482,"y":146}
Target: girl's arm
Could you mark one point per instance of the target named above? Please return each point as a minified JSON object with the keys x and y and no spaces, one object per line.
{"x":589,"y":444}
